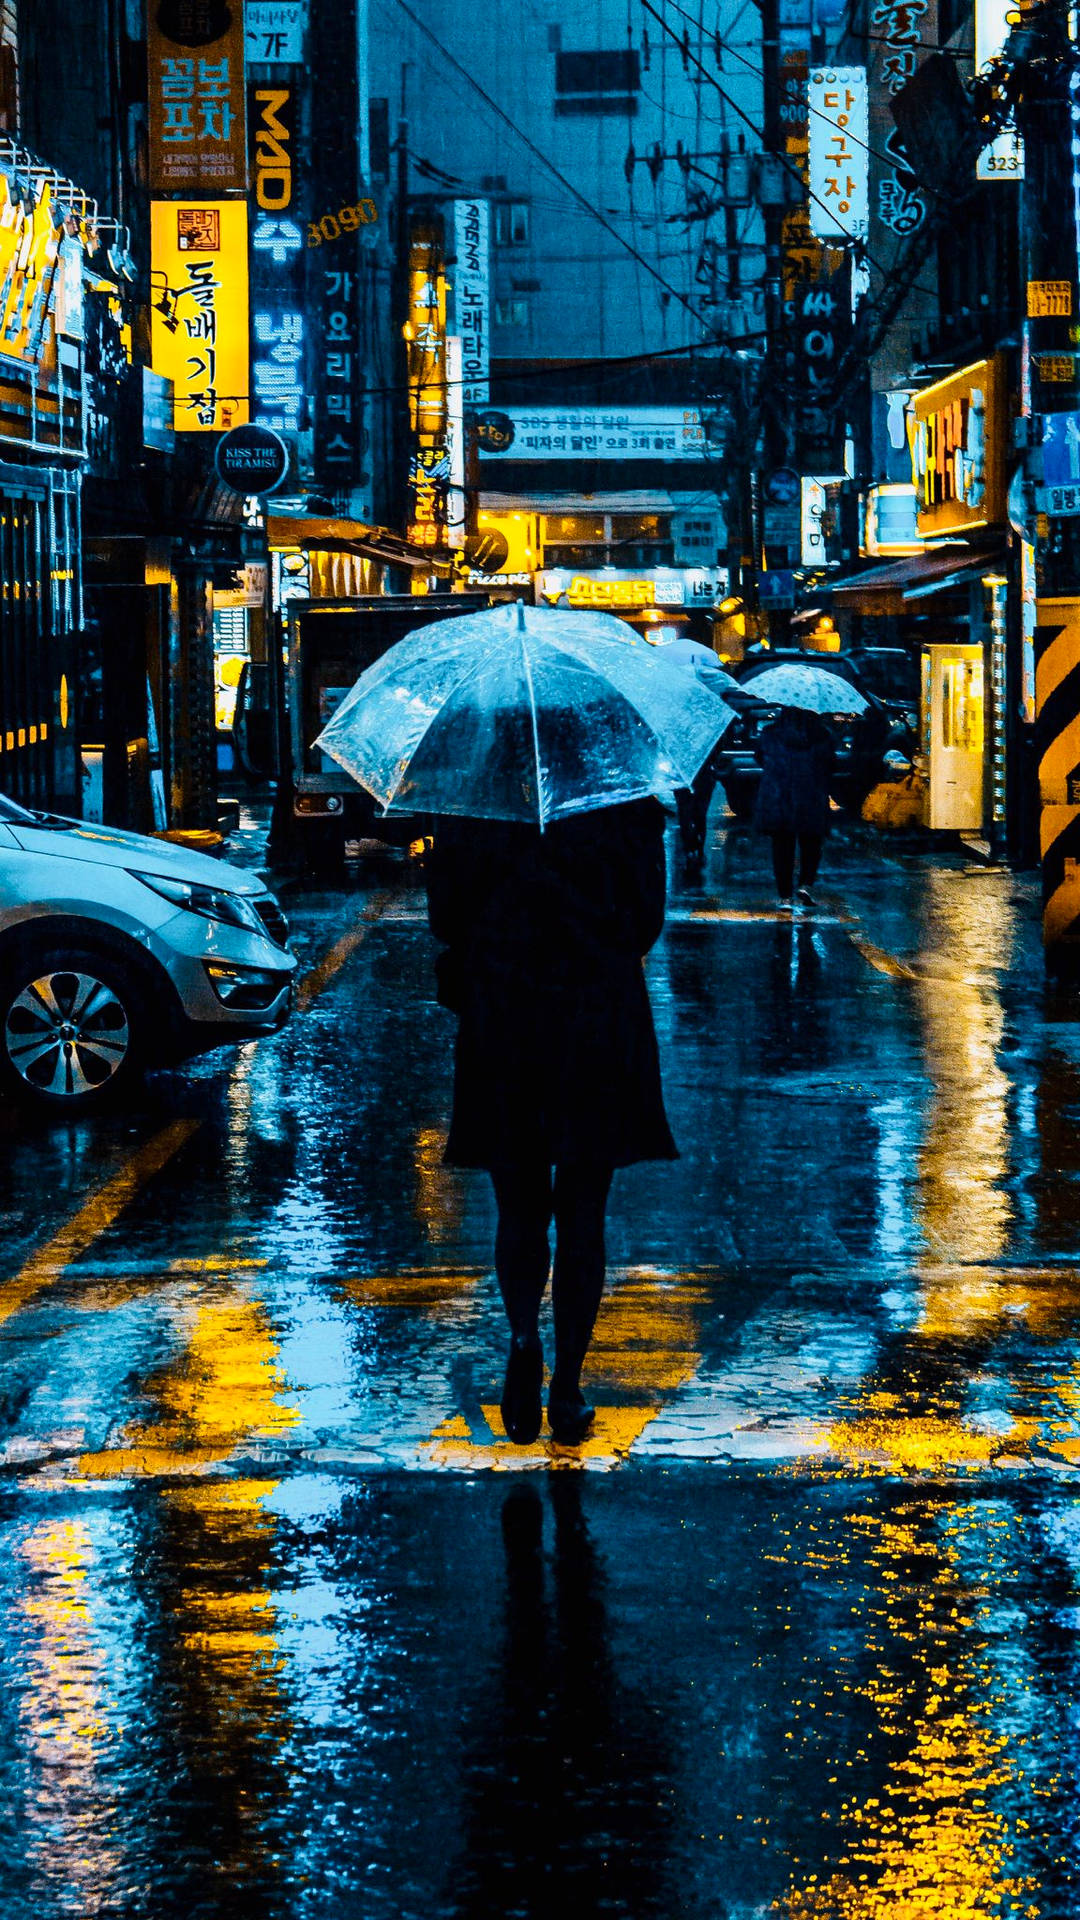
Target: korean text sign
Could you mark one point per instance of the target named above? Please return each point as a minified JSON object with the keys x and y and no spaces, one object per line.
{"x":472,"y":297}
{"x":956,"y":432}
{"x":278,"y":319}
{"x":839,"y":136}
{"x":195,"y":51}
{"x":430,"y":460}
{"x":199,"y":310}
{"x":601,"y":433}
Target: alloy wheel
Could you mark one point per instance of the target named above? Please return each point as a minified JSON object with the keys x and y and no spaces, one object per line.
{"x":67,"y":1034}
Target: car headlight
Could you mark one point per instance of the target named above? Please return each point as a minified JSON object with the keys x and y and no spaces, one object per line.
{"x":232,"y":909}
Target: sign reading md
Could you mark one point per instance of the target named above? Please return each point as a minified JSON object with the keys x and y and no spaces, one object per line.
{"x":600,"y":433}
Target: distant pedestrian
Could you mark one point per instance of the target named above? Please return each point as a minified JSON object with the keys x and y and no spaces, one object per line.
{"x":796,"y":754}
{"x":557,"y":1076}
{"x":692,"y":805}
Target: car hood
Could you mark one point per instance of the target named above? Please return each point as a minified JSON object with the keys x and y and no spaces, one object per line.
{"x":110,"y":847}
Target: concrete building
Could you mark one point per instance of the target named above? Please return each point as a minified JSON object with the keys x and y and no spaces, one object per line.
{"x":611,"y":161}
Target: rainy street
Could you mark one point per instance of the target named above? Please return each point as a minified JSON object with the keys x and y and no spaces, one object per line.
{"x":292,"y":1631}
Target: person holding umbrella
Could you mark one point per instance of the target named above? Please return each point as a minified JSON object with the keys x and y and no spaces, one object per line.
{"x":538,"y":741}
{"x":796,"y":753}
{"x":792,"y":807}
{"x":556,"y":1071}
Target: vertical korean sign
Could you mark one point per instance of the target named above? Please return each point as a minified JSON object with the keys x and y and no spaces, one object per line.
{"x":904,"y":33}
{"x":430,"y":458}
{"x":199,"y":310}
{"x":1003,"y":159}
{"x":332,"y":253}
{"x":472,"y":297}
{"x":817,"y":280}
{"x":839,"y":140}
{"x":278,"y":320}
{"x":195,"y":53}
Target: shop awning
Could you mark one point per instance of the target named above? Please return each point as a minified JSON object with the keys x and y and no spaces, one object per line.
{"x":893,"y":588}
{"x":346,"y":536}
{"x":570,"y":503}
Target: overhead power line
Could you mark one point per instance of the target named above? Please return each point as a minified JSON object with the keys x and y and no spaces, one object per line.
{"x":546,"y":161}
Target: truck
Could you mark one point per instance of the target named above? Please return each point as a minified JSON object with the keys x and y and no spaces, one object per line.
{"x":330,"y":643}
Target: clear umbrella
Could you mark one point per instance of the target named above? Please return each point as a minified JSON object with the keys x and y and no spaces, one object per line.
{"x":692,"y":653}
{"x":523,"y":713}
{"x":814,"y":689}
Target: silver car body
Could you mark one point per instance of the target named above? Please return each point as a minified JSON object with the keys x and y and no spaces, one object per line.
{"x":70,"y":872}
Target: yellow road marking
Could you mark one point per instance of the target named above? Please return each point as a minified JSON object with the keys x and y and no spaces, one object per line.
{"x":328,"y":968}
{"x":646,"y":1348}
{"x":48,"y":1263}
{"x":610,"y":1439}
{"x":882,"y":962}
{"x":785,"y":916}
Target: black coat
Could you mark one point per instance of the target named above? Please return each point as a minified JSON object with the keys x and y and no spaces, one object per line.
{"x":796,"y":755}
{"x":545,"y":934}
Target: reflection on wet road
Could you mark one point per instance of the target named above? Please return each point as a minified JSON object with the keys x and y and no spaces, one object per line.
{"x":291,"y":1630}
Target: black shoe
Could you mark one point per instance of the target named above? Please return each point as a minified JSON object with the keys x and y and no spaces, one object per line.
{"x":569,"y":1418}
{"x":520,"y":1405}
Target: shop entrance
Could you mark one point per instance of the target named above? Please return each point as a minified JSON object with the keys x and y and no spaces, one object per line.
{"x":953,"y":707}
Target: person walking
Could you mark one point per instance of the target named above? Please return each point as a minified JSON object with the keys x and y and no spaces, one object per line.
{"x":692,"y":807}
{"x":792,"y":807}
{"x":556,"y":1071}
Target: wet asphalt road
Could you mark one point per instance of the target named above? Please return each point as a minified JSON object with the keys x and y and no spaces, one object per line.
{"x":291,"y":1632}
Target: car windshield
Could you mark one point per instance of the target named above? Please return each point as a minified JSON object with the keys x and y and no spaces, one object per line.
{"x":18,"y":816}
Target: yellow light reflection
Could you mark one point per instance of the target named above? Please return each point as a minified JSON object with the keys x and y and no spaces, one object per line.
{"x":439,"y":1202}
{"x":928,"y":1841}
{"x":226,"y":1387}
{"x":646,"y":1345}
{"x":64,"y":1713}
{"x":963,"y":1209}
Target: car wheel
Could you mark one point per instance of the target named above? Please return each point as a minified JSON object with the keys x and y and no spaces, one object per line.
{"x":70,"y":1027}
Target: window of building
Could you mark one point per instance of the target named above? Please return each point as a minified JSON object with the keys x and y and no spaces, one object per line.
{"x":511,"y":223}
{"x":594,"y":83}
{"x":513,"y":312}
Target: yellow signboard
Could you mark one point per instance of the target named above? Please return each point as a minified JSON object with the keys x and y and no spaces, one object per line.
{"x":29,"y":253}
{"x":1049,"y":299}
{"x":199,"y":310}
{"x":956,"y":432}
{"x":425,"y":335}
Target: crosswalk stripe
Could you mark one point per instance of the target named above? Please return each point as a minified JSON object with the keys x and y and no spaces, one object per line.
{"x":48,"y":1262}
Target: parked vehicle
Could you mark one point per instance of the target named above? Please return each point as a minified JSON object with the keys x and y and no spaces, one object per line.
{"x":331,"y":642}
{"x":119,"y":952}
{"x":860,"y":743}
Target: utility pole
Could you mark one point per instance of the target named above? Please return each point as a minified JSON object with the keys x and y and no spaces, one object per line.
{"x":772,"y":438}
{"x":401,"y":440}
{"x":1049,"y":119}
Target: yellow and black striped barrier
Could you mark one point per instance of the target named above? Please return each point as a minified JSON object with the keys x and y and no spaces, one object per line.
{"x":1057,"y":737}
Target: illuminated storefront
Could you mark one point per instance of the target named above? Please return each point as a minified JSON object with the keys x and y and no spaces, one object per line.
{"x":50,"y":232}
{"x":947,"y":589}
{"x":632,"y":554}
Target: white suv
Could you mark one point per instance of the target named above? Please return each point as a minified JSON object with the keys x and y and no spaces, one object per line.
{"x":118,"y":951}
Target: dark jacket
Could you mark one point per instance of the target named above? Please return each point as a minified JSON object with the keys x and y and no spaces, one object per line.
{"x":545,"y":934}
{"x":796,"y":755}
